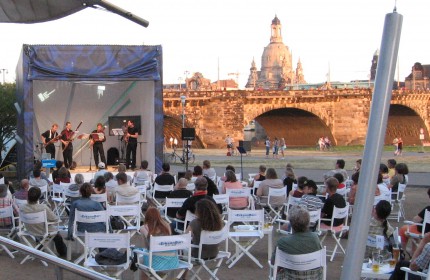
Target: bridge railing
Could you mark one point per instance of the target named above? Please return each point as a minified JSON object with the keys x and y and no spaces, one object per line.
{"x":59,"y":264}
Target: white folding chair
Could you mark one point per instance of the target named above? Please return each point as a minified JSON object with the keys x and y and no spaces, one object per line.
{"x":159,"y":202}
{"x":160,"y":245}
{"x":252,"y":230}
{"x":119,"y":241}
{"x":188,"y":218}
{"x":38,"y":242}
{"x":398,"y":201}
{"x":223,"y":200}
{"x":44,"y":198}
{"x":100,"y":197}
{"x":242,"y":193}
{"x":20,"y":202}
{"x":7,"y":213}
{"x":172,"y":203}
{"x":336,"y":232}
{"x":272,"y":210}
{"x":87,"y":218}
{"x":58,"y":199}
{"x":124,"y":200}
{"x":130,"y":214}
{"x":69,"y":194}
{"x":414,"y":236}
{"x":255,"y":188}
{"x":210,"y":238}
{"x":423,"y":275}
{"x":302,"y":262}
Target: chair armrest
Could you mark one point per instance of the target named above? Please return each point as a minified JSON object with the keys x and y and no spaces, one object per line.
{"x":412,"y":223}
{"x":408,"y":270}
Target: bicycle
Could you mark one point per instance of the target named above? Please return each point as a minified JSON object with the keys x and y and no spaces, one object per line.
{"x":173,"y":156}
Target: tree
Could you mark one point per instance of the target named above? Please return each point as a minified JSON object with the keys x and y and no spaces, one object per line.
{"x":7,"y":115}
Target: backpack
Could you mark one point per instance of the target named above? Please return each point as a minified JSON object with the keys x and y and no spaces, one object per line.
{"x":117,"y":223}
{"x":111,"y":256}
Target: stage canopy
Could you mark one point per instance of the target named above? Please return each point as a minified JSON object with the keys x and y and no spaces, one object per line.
{"x":92,"y":83}
{"x":33,"y":11}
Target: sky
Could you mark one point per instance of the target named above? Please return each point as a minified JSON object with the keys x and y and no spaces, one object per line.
{"x":199,"y":35}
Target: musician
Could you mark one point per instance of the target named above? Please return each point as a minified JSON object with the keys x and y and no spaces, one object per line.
{"x":131,"y":139}
{"x":49,"y":137}
{"x":98,"y":144}
{"x":66,"y":140}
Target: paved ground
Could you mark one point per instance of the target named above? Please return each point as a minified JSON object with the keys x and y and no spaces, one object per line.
{"x":245,"y":269}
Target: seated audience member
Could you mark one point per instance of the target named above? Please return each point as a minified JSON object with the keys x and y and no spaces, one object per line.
{"x":379,"y":226}
{"x":391,"y":163}
{"x":111,"y":185}
{"x":179,"y":192}
{"x":341,"y":180}
{"x":208,"y":171}
{"x":400,"y":172}
{"x":357,"y":166}
{"x":58,"y":165}
{"x":419,"y":218}
{"x":299,"y":192}
{"x":99,"y":185}
{"x":310,"y":199}
{"x":261,"y":176}
{"x":74,"y":187}
{"x":211,"y":188}
{"x":189,"y":176}
{"x":22,"y":192}
{"x":123,"y":168}
{"x":301,"y":241}
{"x":143,"y":174}
{"x":33,"y":206}
{"x":63,"y":176}
{"x":165,"y":178}
{"x":153,"y":225}
{"x":383,"y":169}
{"x":271,"y":181}
{"x":419,"y":261}
{"x":102,"y":170}
{"x":84,"y":203}
{"x":4,"y":202}
{"x":38,"y":166}
{"x":36,"y":180}
{"x":124,"y":188}
{"x":290,"y":179}
{"x":228,"y":167}
{"x":334,"y":199}
{"x":339,"y":168}
{"x":231,"y":182}
{"x":381,"y":187}
{"x":209,"y":219}
{"x":354,"y":187}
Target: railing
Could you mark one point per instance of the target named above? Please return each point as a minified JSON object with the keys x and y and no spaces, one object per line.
{"x":59,"y":264}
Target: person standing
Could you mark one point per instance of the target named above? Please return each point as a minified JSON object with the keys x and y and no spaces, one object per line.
{"x":49,"y":137}
{"x":97,"y":143}
{"x":267,"y":143}
{"x":275,"y":147}
{"x":66,"y":140}
{"x":282,"y":146}
{"x":131,"y":139}
{"x":229,"y":141}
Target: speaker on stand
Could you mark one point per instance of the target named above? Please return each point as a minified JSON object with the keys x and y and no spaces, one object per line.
{"x":188,"y":134}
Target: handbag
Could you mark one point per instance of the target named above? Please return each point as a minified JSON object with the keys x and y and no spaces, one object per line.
{"x":111,"y":256}
{"x":117,"y":223}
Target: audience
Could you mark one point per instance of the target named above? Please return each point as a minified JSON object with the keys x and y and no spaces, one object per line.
{"x":271,"y":181}
{"x":22,"y":192}
{"x":208,"y":171}
{"x":143,"y":174}
{"x":334,"y":199}
{"x":290,"y":179}
{"x":165,"y":178}
{"x":231,"y":182}
{"x":179,"y":192}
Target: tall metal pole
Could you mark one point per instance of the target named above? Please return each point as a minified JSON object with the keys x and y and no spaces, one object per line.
{"x":374,"y":145}
{"x":184,"y":144}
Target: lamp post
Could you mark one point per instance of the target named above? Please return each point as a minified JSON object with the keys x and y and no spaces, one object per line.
{"x":4,"y":71}
{"x":180,"y":83}
{"x":184,"y":145}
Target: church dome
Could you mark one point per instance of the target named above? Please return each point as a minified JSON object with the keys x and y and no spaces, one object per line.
{"x":276,"y":20}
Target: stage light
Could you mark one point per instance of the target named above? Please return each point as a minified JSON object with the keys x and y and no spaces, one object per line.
{"x":100,"y":91}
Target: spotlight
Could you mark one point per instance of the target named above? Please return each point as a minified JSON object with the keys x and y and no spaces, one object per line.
{"x":18,"y":108}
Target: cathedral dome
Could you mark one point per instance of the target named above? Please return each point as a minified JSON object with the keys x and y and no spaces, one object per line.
{"x":276,"y":20}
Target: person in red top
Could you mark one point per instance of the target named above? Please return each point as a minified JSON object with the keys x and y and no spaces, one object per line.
{"x":340,"y":179}
{"x":63,"y":176}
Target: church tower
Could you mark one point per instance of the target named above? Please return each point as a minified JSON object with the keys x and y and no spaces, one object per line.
{"x":300,"y":77}
{"x":374,"y":65}
{"x":253,"y":76}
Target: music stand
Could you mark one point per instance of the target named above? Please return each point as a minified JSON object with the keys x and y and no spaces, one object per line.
{"x":241,"y":151}
{"x":120,"y":133}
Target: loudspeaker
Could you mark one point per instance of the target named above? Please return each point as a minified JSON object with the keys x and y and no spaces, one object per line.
{"x":181,"y":174}
{"x":188,"y":133}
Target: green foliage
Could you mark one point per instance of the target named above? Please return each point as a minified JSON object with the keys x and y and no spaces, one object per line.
{"x":7,"y":114}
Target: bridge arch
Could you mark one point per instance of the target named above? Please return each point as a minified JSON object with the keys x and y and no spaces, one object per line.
{"x":173,"y":128}
{"x":299,"y":127}
{"x":405,"y":122}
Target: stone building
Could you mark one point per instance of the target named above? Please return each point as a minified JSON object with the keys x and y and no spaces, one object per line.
{"x":419,"y":77}
{"x":276,"y":64}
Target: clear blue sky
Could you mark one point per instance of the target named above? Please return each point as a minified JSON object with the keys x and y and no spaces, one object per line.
{"x":194,"y":34}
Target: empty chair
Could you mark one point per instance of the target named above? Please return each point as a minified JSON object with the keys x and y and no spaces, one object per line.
{"x":129,"y":214}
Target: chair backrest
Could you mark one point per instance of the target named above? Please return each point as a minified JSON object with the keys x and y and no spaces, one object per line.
{"x":90,"y":218}
{"x":223,"y":200}
{"x":295,"y":186}
{"x":402,"y":188}
{"x":174,"y":203}
{"x":244,"y":192}
{"x":238,"y":176}
{"x":247,"y":216}
{"x":191,"y":187}
{"x":70,"y":193}
{"x":20,"y":202}
{"x":7,"y":212}
{"x":340,"y":213}
{"x":212,"y":238}
{"x":426,"y":221}
{"x":169,"y":243}
{"x":130,"y":214}
{"x":99,"y":197}
{"x":303,"y":262}
{"x":162,"y":188}
{"x":189,"y":216}
{"x":57,"y":190}
{"x":315,"y":217}
{"x":134,"y":199}
{"x":32,"y":219}
{"x":275,"y":193}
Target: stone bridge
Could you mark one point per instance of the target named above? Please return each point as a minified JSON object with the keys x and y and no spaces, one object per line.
{"x":300,"y":116}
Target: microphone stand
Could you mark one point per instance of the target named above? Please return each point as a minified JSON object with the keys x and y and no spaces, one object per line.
{"x":91,"y":157}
